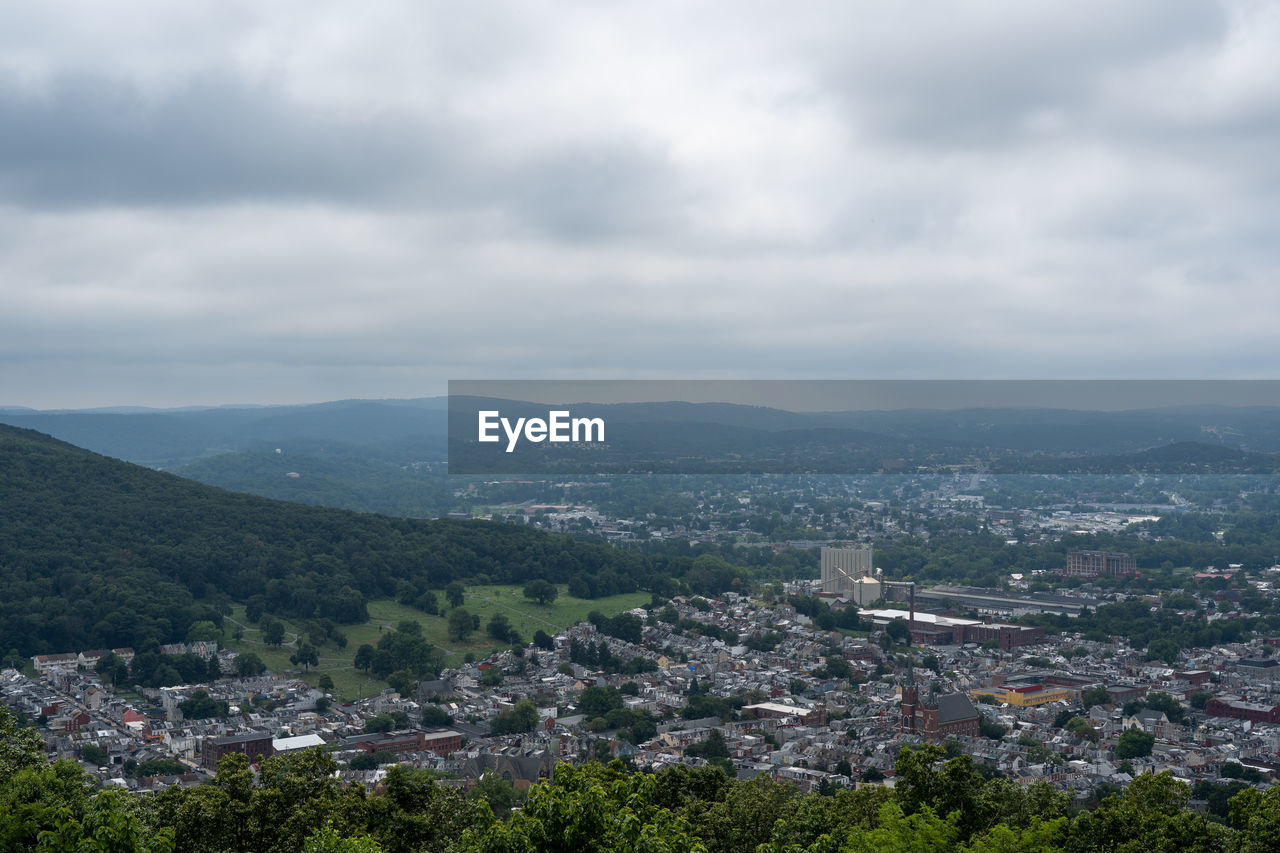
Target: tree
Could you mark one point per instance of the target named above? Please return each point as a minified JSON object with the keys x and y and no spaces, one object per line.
{"x":428,"y":603}
{"x":1163,"y":648}
{"x":200,"y":705}
{"x":1134,"y":743}
{"x":460,"y":624}
{"x":455,"y":593}
{"x":167,"y":676}
{"x":273,"y":632}
{"x":1257,"y":816}
{"x":498,"y":793}
{"x":522,"y":718}
{"x":364,"y":657}
{"x":542,"y":591}
{"x":109,"y":824}
{"x":379,"y":723}
{"x":587,"y":809}
{"x":543,"y":640}
{"x":1171,"y":707}
{"x":499,"y":627}
{"x":113,"y":668}
{"x":1080,"y":727}
{"x":599,"y":701}
{"x":249,"y":664}
{"x":94,"y":754}
{"x":837,"y":667}
{"x":254,"y":608}
{"x":433,"y":715}
{"x":1095,"y":696}
{"x":154,"y":767}
{"x":1150,"y":815}
{"x":713,"y":747}
{"x":203,"y":631}
{"x":989,"y":729}
{"x":327,"y":840}
{"x":306,"y":655}
{"x":14,"y":660}
{"x":325,"y":683}
{"x":402,"y":682}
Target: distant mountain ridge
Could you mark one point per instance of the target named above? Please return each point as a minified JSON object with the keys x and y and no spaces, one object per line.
{"x":682,"y":437}
{"x":168,"y":438}
{"x":716,"y":438}
{"x":1182,"y":457}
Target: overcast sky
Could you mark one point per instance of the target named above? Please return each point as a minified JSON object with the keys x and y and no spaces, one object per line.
{"x":206,"y":203}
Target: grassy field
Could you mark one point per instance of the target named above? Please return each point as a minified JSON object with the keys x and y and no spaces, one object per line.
{"x":384,"y":614}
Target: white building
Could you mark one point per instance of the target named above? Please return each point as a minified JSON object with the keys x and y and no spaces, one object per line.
{"x":842,"y":567}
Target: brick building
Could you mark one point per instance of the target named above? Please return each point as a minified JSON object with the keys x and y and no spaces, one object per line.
{"x":936,"y":630}
{"x":254,"y":745}
{"x":403,"y":741}
{"x":937,"y":717}
{"x":443,"y":742}
{"x":1234,"y":706}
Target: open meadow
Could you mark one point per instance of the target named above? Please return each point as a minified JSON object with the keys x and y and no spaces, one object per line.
{"x":385,"y":614}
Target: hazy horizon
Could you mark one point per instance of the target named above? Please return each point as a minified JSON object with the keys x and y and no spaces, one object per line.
{"x":817,"y":396}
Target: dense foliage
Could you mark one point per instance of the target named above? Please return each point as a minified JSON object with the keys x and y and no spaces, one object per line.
{"x":296,"y":803}
{"x":98,"y":553}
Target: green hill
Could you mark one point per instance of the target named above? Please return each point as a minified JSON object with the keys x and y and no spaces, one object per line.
{"x":328,"y":479}
{"x":1181,"y":457}
{"x":95,"y":553}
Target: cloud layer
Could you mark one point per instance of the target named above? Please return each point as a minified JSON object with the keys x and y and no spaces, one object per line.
{"x":238,"y":203}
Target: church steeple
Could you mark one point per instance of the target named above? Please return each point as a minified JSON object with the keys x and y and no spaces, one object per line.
{"x":910,"y":699}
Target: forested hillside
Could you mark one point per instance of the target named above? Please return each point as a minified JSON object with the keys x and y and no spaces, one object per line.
{"x":344,"y":482}
{"x":95,"y":552}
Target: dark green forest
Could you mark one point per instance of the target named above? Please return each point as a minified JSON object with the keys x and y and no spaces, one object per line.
{"x":99,"y":553}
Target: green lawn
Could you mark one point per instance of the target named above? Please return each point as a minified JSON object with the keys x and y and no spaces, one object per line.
{"x":384,"y":614}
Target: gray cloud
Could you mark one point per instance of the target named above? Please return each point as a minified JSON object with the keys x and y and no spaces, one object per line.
{"x":94,"y":141}
{"x":974,"y":75}
{"x":216,"y":140}
{"x":302,"y":202}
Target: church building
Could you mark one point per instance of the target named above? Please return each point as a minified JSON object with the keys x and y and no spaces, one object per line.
{"x":937,"y":717}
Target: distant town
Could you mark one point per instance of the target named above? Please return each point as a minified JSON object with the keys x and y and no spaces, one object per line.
{"x":783,"y":698}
